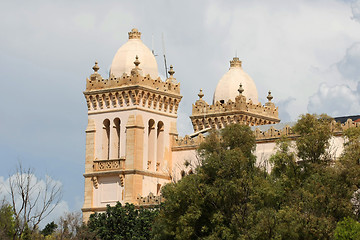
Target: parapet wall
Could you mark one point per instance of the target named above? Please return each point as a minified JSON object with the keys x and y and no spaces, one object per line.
{"x":241,"y":111}
{"x":270,"y":135}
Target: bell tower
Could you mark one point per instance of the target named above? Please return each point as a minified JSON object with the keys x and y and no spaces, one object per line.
{"x":131,"y":128}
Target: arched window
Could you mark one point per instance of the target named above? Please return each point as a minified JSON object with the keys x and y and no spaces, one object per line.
{"x":106,"y":140}
{"x":115,"y":145}
{"x":151,"y":144}
{"x":160,"y":145}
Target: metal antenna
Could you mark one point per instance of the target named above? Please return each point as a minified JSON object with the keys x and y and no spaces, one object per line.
{"x":163,"y":43}
{"x":152,"y":45}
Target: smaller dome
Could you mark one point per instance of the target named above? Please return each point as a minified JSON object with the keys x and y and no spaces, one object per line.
{"x":227,"y":88}
{"x":124,"y":58}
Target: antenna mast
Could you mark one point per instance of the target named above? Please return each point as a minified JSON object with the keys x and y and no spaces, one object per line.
{"x":152,"y":45}
{"x":163,"y":43}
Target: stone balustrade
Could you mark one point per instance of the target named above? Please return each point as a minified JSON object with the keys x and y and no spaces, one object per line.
{"x":109,"y":164}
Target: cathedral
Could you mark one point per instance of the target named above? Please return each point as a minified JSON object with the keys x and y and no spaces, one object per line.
{"x":132,"y":143}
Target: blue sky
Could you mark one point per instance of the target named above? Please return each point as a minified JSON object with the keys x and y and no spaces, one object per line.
{"x":306,"y":52}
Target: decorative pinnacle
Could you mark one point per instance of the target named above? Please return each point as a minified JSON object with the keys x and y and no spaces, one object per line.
{"x":241,"y":90}
{"x":96,"y":67}
{"x":269,"y":97}
{"x":134,"y":34}
{"x":137,"y":62}
{"x":235,"y":62}
{"x":171,"y":71}
{"x":201,"y":94}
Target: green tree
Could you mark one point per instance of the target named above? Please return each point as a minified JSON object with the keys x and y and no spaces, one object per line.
{"x":7,"y":221}
{"x":313,"y":141}
{"x":49,"y":229}
{"x":218,"y":201}
{"x":123,"y":222}
{"x":312,"y":191}
{"x":347,"y":229}
{"x":229,"y":197}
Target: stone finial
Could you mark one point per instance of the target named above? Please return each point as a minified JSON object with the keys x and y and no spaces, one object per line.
{"x":171,"y":71}
{"x":137,"y":62}
{"x":201,"y":94}
{"x":136,"y":69}
{"x":241,"y":90}
{"x":96,"y":67}
{"x":235,"y":62}
{"x":134,"y":34}
{"x":269,"y":97}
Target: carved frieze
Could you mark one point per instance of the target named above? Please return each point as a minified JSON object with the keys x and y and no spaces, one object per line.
{"x":112,"y":164}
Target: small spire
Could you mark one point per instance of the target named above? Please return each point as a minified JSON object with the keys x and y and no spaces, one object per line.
{"x":136,"y":69}
{"x":134,"y":34}
{"x":201,"y":94}
{"x":235,"y":62}
{"x":269,"y":97}
{"x":137,"y":62}
{"x":241,"y":90}
{"x":96,"y":67}
{"x":171,"y":71}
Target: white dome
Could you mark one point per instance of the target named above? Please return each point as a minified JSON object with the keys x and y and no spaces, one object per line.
{"x":227,"y":88}
{"x":124,"y":58}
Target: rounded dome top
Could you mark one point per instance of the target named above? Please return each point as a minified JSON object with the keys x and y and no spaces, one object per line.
{"x":124,"y":58}
{"x":227,"y":88}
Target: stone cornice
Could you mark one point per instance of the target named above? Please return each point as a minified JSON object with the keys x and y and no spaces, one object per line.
{"x":132,"y":87}
{"x":126,"y":172}
{"x":125,"y":97}
{"x":173,"y":115}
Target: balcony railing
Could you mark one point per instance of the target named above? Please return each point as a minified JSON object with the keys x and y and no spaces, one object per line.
{"x":109,"y":164}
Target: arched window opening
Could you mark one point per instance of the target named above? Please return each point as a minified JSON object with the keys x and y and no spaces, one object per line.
{"x":160,"y":145}
{"x":151,"y":144}
{"x":106,"y":139}
{"x":116,"y":138}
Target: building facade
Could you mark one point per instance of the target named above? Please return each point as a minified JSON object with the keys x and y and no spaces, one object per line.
{"x":132,"y":144}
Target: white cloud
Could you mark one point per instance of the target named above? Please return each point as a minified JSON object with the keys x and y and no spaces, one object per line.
{"x":349,"y":66}
{"x":338,"y":100}
{"x":284,"y":109}
{"x":355,"y":9}
{"x":342,"y":96}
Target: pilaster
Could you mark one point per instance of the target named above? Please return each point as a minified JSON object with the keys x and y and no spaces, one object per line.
{"x":134,"y":157}
{"x":89,"y":158}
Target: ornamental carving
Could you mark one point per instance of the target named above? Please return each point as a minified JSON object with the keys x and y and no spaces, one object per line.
{"x":105,"y":165}
{"x":220,"y":115}
{"x":95,"y":182}
{"x":151,"y":199}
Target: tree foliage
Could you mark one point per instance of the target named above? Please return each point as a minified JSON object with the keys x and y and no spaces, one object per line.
{"x":7,"y":221}
{"x":49,"y":229}
{"x":216,"y":202}
{"x":122,"y":223}
{"x":229,"y":197}
{"x":347,"y":229}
